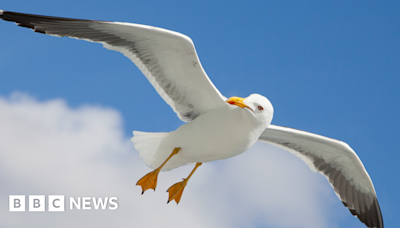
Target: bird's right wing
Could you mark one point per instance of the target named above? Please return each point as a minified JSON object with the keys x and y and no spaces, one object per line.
{"x":338,"y":163}
{"x":168,"y":59}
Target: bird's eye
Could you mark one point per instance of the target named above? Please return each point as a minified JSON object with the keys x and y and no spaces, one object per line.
{"x":260,"y":108}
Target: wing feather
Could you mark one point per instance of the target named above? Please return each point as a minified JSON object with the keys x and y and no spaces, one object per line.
{"x":168,"y":59}
{"x":338,"y":163}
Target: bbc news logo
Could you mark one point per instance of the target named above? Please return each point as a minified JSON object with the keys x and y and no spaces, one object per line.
{"x":57,"y":203}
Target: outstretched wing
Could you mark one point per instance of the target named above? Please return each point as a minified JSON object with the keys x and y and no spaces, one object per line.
{"x":168,"y":59}
{"x":338,"y":163}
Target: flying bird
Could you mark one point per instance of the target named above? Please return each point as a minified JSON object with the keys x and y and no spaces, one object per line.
{"x":217,"y":128}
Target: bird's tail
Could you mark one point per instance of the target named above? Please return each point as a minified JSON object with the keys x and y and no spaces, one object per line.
{"x":146,"y":143}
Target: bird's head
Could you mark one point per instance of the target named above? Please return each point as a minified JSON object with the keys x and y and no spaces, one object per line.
{"x":259,"y":105}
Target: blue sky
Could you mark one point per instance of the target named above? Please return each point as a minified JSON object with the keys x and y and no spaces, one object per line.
{"x":328,"y":68}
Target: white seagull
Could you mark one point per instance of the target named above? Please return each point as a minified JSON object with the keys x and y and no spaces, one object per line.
{"x":217,"y":128}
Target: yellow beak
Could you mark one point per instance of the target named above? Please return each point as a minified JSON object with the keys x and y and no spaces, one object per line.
{"x":238,"y":101}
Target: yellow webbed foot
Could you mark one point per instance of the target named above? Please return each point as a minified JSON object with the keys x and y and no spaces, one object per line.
{"x":176,"y":190}
{"x":149,"y":181}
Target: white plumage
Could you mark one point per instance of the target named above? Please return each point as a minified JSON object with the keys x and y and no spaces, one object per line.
{"x":218,"y":134}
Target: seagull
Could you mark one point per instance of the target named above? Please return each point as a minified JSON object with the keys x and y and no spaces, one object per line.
{"x":217,"y":128}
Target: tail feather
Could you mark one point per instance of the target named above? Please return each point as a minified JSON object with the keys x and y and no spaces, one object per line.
{"x":146,"y":143}
{"x":153,"y":151}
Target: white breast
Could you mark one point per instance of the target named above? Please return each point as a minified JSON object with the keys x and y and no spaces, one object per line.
{"x":220,"y":134}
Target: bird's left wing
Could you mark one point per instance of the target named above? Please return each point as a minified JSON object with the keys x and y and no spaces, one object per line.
{"x":168,"y":59}
{"x":338,"y":163}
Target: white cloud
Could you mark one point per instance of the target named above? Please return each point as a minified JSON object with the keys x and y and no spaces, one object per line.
{"x":48,"y":148}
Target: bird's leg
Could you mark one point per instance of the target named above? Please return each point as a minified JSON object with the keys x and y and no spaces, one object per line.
{"x":149,"y":181}
{"x":176,"y":190}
